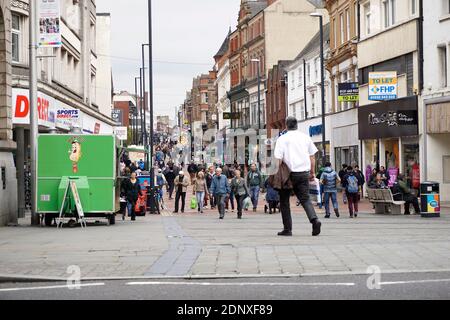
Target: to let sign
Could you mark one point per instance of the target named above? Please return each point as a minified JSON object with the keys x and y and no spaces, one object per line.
{"x":348,"y":92}
{"x":383,"y":86}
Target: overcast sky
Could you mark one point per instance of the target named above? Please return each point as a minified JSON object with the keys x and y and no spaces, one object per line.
{"x":187,"y":32}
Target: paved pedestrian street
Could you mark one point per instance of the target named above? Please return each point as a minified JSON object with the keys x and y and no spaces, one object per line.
{"x":192,"y":245}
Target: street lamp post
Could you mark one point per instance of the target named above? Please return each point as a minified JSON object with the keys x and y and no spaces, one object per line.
{"x":141,"y":95}
{"x":322,"y":85}
{"x":135,"y":114}
{"x":143,"y":84}
{"x":258,"y":61}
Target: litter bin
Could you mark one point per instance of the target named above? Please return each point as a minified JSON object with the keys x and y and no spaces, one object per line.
{"x":430,"y":200}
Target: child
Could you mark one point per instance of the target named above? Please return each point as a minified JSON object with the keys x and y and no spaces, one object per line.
{"x":272,"y":197}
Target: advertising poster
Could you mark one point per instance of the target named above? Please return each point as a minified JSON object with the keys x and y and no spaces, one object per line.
{"x":348,"y":92}
{"x":382,"y":86}
{"x":121,"y":133}
{"x":49,"y":24}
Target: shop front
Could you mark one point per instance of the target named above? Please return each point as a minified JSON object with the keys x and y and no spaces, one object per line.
{"x":389,"y":135}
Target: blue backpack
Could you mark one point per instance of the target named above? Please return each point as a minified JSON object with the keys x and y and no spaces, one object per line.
{"x":352,"y":186}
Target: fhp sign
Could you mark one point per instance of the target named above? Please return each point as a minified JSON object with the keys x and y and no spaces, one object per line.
{"x":383,"y":86}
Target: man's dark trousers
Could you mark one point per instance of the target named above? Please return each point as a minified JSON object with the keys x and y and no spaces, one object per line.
{"x":300,"y":183}
{"x":179,"y":195}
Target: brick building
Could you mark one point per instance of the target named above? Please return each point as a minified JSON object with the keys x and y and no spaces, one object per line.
{"x":276,"y":96}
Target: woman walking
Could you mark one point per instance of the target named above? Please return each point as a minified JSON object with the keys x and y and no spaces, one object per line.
{"x":240,"y":191}
{"x":200,"y":190}
{"x":132,"y":190}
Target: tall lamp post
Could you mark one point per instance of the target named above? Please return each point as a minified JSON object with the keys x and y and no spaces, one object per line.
{"x":322,"y":85}
{"x":143,"y":84}
{"x":258,"y":62}
{"x":135,"y":114}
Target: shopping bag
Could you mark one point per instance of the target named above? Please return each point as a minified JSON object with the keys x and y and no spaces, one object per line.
{"x":314,"y":191}
{"x":194,"y":203}
{"x":247,"y":203}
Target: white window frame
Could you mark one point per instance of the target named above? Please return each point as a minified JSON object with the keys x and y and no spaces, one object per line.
{"x":293,"y":80}
{"x":443,"y":52}
{"x":367,"y":18}
{"x":389,"y":12}
{"x":342,"y":28}
{"x":300,"y":77}
{"x":18,"y":33}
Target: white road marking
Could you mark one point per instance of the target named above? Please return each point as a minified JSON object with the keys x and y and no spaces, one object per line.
{"x":221,"y":284}
{"x":51,"y":287}
{"x":414,"y":281}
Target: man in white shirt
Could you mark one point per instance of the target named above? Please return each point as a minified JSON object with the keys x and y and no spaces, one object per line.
{"x":297,"y":151}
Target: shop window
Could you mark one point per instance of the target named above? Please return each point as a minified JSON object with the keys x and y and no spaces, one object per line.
{"x":346,"y":155}
{"x":446,"y":169}
{"x":443,"y":66}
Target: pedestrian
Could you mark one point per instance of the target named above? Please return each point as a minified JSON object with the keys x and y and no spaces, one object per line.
{"x":220,"y":188}
{"x":321,"y":186}
{"x":192,"y":170}
{"x":330,"y":179}
{"x":230,"y":200}
{"x":360,"y":175}
{"x":181,"y":185}
{"x":408,"y":196}
{"x":254,"y":182}
{"x":200,"y":190}
{"x":209,"y":178}
{"x":342,"y":174}
{"x":132,"y":190}
{"x":161,"y":181}
{"x":240,"y":191}
{"x":170,"y":175}
{"x":272,"y":197}
{"x":351,"y":185}
{"x":378,"y":183}
{"x":384,"y":175}
{"x":141,"y":164}
{"x":297,"y":151}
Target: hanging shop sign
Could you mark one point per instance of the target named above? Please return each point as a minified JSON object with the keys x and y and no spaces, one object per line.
{"x":231,"y":116}
{"x":117,"y":116}
{"x":121,"y":133}
{"x":389,"y":119}
{"x":383,"y":86}
{"x":49,"y":23}
{"x":348,"y":92}
{"x":315,"y":130}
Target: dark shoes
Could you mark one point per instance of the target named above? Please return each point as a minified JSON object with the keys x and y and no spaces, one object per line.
{"x":327,"y":216}
{"x":317,"y":225}
{"x":336,"y":211}
{"x":285,"y":233}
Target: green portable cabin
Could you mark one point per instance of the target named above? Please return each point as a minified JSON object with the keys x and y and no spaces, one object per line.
{"x":88,"y":160}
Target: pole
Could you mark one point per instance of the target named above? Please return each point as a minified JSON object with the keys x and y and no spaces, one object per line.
{"x":322,"y":75}
{"x":20,"y":137}
{"x":144,"y":101}
{"x":150,"y":72}
{"x":34,"y":130}
{"x":140,"y":107}
{"x":259,"y":111}
{"x":304,"y":89}
{"x":135,"y":113}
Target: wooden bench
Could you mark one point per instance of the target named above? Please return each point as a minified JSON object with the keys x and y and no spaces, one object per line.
{"x":384,"y":202}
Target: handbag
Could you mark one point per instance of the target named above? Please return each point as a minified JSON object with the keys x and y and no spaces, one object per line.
{"x":194,"y":203}
{"x":247,"y":202}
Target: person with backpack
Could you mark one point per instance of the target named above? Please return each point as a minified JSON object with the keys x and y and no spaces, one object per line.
{"x":342,"y":174}
{"x":351,"y":185}
{"x":360,"y":175}
{"x":319,"y":175}
{"x":330,"y":179}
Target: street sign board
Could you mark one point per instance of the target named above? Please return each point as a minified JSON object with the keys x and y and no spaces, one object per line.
{"x":49,"y":23}
{"x":231,"y":116}
{"x":383,"y":86}
{"x":348,"y":92}
{"x":121,"y":133}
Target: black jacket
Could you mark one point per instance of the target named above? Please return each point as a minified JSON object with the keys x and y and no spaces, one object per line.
{"x":130,"y":190}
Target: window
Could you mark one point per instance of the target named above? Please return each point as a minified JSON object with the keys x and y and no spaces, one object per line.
{"x":334,"y":41}
{"x":316,"y":69}
{"x":389,"y":13}
{"x":293,"y":80}
{"x":367,"y":17}
{"x":313,"y":105}
{"x":355,"y":17}
{"x":347,"y":17}
{"x":15,"y":29}
{"x":308,"y":74}
{"x":443,"y":66}
{"x":342,"y":29}
{"x":413,"y":4}
{"x":446,"y":167}
{"x":300,"y":77}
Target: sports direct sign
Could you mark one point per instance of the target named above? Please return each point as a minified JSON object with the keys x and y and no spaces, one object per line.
{"x":383,"y":86}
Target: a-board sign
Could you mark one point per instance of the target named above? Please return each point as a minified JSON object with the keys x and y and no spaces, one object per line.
{"x":76,"y":199}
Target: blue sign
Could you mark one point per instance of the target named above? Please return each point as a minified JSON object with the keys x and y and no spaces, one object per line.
{"x":315,"y":130}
